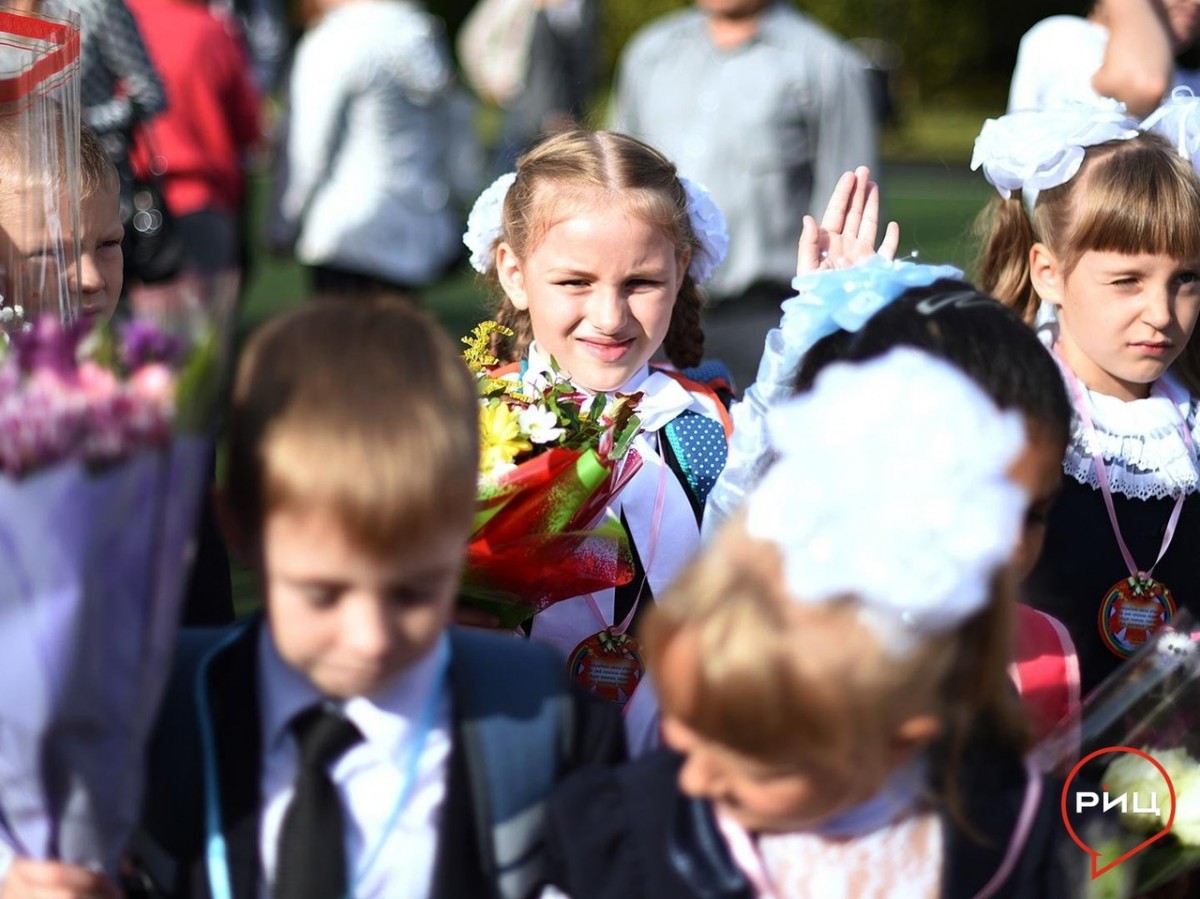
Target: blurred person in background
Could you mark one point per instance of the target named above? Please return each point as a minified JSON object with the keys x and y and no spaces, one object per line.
{"x":767,"y":109}
{"x":261,"y":24}
{"x":378,"y":152}
{"x":199,"y":146}
{"x":537,"y":60}
{"x":1124,"y":49}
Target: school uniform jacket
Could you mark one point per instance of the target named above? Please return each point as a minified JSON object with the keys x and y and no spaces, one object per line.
{"x":171,"y":846}
{"x":628,"y":833}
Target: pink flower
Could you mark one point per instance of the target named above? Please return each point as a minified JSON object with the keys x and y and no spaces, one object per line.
{"x":95,"y":381}
{"x":154,"y":382}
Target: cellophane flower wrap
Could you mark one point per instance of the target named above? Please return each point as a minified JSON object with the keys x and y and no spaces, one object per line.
{"x":105,"y":452}
{"x":1151,"y":704}
{"x":552,"y":460}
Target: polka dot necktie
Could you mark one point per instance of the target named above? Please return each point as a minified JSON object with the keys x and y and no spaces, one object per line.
{"x":311,"y":862}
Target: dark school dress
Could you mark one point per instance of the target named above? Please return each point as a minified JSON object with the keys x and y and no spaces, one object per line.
{"x":1082,"y":561}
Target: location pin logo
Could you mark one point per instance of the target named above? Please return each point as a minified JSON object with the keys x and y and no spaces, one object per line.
{"x":1135,"y":787}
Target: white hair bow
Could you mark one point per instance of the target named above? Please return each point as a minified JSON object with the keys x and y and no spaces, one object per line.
{"x":891,"y":486}
{"x":1033,"y":150}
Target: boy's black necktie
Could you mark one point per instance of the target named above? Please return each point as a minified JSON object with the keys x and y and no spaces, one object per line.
{"x":311,"y":862}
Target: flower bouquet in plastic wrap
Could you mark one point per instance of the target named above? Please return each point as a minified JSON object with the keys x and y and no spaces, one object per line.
{"x":105,"y":449}
{"x":552,"y":460}
{"x":1131,"y":758}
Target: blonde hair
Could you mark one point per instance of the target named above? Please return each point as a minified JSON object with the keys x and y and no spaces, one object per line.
{"x":808,"y":684}
{"x":97,"y":173}
{"x":1129,"y":196}
{"x":361,"y":408}
{"x":567,"y":169}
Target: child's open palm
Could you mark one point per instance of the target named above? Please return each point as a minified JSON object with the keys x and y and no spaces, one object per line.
{"x":846,"y":235}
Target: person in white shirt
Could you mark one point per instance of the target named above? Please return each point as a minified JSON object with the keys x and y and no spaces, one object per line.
{"x":378,"y":154}
{"x":1124,"y":49}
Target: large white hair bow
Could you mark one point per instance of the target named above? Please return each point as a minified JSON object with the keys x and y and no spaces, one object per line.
{"x":891,"y":486}
{"x":1032,"y":150}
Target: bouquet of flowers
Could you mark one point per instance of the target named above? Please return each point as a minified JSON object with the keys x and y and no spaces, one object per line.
{"x":1135,"y":746}
{"x":552,"y":459}
{"x":104,"y":452}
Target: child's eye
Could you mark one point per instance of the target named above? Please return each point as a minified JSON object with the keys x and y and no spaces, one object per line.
{"x":644,"y":283}
{"x":572,"y":282}
{"x":1188,"y":277}
{"x":408,"y":597}
{"x":321,"y":596}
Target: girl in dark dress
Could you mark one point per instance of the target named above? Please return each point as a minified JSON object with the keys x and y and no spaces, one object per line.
{"x":1108,"y":263}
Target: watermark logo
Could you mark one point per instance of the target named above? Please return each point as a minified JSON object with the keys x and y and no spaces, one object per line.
{"x":1149,"y":799}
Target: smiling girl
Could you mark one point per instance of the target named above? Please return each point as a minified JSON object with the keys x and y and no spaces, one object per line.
{"x":596,"y":248}
{"x":1094,"y":236}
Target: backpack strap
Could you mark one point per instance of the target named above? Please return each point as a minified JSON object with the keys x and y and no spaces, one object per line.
{"x":710,"y":380}
{"x":699,"y":443}
{"x":504,"y":371}
{"x":516,"y":721}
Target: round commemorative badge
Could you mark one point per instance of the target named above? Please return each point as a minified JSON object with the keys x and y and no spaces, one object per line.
{"x":1133,"y":609}
{"x":608,"y":665}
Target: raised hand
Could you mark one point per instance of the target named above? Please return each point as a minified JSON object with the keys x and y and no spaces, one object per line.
{"x":847,"y":233}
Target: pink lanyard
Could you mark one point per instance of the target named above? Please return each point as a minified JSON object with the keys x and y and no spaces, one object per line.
{"x":1102,"y":471}
{"x":660,"y":501}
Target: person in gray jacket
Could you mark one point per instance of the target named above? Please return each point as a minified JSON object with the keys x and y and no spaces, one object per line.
{"x":766,"y":108}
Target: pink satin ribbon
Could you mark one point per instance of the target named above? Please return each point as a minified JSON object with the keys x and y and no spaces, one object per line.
{"x":1102,"y":471}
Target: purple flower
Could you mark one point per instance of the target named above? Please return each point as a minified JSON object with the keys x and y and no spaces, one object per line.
{"x":49,"y":346}
{"x":144,"y":342}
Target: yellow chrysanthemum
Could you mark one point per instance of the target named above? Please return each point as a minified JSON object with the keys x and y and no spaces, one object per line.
{"x":500,"y":437}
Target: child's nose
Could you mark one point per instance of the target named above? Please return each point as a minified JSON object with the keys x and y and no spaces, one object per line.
{"x":91,"y":278}
{"x":365,"y":627}
{"x":608,"y":310}
{"x":1157,"y":310}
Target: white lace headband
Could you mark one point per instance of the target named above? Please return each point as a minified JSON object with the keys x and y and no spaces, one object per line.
{"x":916,"y":539}
{"x":485,"y":225}
{"x":1031,"y":151}
{"x":825,"y":302}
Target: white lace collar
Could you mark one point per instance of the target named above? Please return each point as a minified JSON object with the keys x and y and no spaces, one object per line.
{"x":1144,"y":451}
{"x":663,"y":398}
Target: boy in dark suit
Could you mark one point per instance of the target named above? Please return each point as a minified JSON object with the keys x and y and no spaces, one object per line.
{"x":351,"y":743}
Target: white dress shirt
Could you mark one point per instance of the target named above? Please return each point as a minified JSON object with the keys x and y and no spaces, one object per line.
{"x":369,"y":777}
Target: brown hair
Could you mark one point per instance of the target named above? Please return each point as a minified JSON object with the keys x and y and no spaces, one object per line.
{"x":565,"y":169}
{"x":364,"y":408}
{"x":1129,"y":196}
{"x":808,"y":684}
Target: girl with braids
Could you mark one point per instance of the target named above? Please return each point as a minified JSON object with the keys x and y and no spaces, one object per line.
{"x":596,"y":249}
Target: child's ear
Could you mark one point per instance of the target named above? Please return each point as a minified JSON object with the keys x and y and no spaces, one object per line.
{"x":914,"y":734}
{"x":511,"y":275}
{"x":1046,"y":274}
